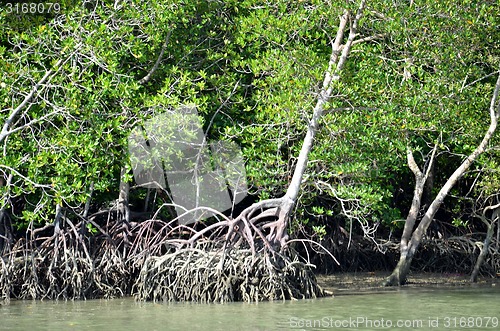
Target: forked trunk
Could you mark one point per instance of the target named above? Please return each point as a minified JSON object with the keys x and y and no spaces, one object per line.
{"x":487,"y":241}
{"x":400,"y":273}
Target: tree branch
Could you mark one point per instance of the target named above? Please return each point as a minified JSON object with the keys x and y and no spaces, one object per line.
{"x":369,"y":38}
{"x":5,"y":129}
{"x":146,"y":78}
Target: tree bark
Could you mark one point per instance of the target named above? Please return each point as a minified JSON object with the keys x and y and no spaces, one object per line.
{"x":278,"y":236}
{"x":487,"y":241}
{"x":5,"y":227}
{"x":123,"y":206}
{"x":400,"y":273}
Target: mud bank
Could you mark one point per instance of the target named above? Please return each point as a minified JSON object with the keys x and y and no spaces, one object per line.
{"x":361,"y":282}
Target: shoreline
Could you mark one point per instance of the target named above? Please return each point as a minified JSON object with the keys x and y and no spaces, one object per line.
{"x":368,"y":282}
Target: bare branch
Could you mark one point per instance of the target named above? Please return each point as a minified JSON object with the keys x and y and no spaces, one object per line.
{"x":146,"y":78}
{"x":494,"y":105}
{"x":431,"y":161}
{"x":369,"y":38}
{"x":477,"y":80}
{"x":17,"y":173}
{"x":48,"y":75}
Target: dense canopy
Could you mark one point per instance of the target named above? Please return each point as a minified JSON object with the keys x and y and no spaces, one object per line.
{"x":75,"y":83}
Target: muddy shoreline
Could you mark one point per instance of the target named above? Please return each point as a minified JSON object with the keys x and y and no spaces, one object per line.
{"x":368,"y":282}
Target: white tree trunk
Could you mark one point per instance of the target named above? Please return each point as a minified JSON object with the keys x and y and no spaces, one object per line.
{"x":278,"y":235}
{"x":489,"y":235}
{"x":400,"y":273}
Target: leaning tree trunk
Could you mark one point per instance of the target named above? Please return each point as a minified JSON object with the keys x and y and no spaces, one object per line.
{"x":245,"y":224}
{"x":400,"y":272}
{"x":489,"y":235}
{"x":278,"y":236}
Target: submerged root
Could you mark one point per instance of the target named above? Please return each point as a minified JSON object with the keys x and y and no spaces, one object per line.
{"x":193,"y":274}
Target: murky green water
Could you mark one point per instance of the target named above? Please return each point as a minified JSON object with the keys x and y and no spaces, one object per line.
{"x":400,"y":309}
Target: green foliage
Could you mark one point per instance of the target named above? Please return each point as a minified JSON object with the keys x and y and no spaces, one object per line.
{"x":253,"y":69}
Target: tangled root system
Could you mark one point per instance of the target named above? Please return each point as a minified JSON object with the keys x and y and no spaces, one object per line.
{"x":152,"y":261}
{"x":201,"y":275}
{"x":62,"y":268}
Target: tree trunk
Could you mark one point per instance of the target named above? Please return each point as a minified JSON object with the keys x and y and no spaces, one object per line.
{"x":123,"y":207}
{"x":483,"y":253}
{"x":278,"y":236}
{"x":3,"y":230}
{"x":400,"y":273}
{"x":487,"y":240}
{"x":5,"y":227}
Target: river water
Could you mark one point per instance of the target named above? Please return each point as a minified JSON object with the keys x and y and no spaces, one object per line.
{"x":470,"y":308}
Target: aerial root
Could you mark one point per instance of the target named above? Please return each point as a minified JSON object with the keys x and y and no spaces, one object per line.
{"x":231,"y":260}
{"x":62,"y":268}
{"x":192,"y":274}
{"x":78,"y":257}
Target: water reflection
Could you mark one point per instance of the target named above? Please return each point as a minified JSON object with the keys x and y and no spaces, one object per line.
{"x":399,"y":309}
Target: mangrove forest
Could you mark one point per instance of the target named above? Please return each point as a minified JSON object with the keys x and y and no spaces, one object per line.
{"x":216,"y":151}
